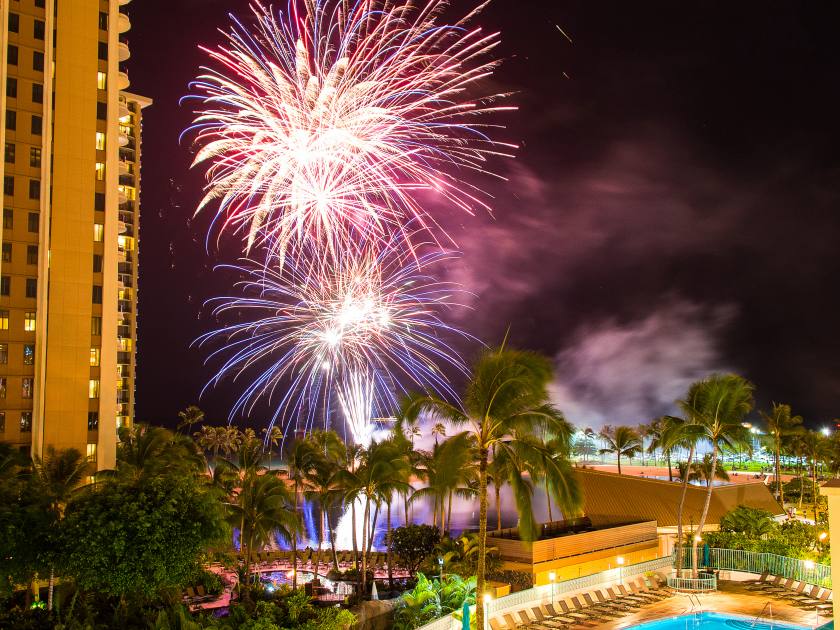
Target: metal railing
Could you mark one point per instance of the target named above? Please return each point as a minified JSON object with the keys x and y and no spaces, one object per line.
{"x":756,"y":562}
{"x":693,"y":585}
{"x":550,"y":592}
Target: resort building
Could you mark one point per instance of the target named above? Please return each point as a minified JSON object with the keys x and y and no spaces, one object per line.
{"x":68,"y":286}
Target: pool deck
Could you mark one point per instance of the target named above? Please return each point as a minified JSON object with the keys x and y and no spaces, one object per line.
{"x":731,"y":597}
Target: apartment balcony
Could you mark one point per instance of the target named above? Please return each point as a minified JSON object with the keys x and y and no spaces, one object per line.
{"x":122,"y":81}
{"x":123,"y":140}
{"x":123,"y":109}
{"x":124,"y":2}
{"x":126,"y":180}
{"x":123,"y":52}
{"x":126,"y":281}
{"x":124,"y":167}
{"x":123,"y":23}
{"x":122,"y":228}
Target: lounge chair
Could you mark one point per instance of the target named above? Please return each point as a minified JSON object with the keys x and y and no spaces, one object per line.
{"x":526,"y":622}
{"x":811,"y":595}
{"x":640,"y":589}
{"x":603,"y":613}
{"x":612,"y":603}
{"x":626,"y":594}
{"x":554,"y":620}
{"x":774,"y":583}
{"x":578,"y":614}
{"x":820,"y":603}
{"x":495,"y":625}
{"x":792,"y":593}
{"x":623,"y":598}
{"x":779,"y":589}
{"x":510,"y":622}
{"x":762,"y":578}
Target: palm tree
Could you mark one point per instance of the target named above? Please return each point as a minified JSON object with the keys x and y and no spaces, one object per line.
{"x":717,"y":405}
{"x":814,"y":447}
{"x":623,"y":441}
{"x":499,"y":471}
{"x":145,"y":452}
{"x":273,"y":437}
{"x":57,"y":476}
{"x":446,"y":471}
{"x":504,"y":404}
{"x":780,"y":425}
{"x":439,"y":430}
{"x":322,"y":464}
{"x":190,"y":416}
{"x":702,"y":471}
{"x":298,"y":462}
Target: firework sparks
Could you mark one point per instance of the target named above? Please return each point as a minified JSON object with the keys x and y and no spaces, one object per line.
{"x":370,"y":325}
{"x":322,"y":128}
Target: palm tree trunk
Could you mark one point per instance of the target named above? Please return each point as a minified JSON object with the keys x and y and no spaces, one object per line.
{"x":52,"y":579}
{"x":618,"y":456}
{"x":294,"y":543}
{"x":814,"y":496}
{"x":680,"y":513}
{"x":355,"y":542}
{"x":705,"y":513}
{"x":373,"y":528}
{"x":548,"y":500}
{"x":406,"y":509}
{"x":498,"y":490}
{"x":482,"y":538}
{"x":365,"y":520}
{"x":668,"y":457}
{"x":332,"y":541}
{"x":320,"y":541}
{"x":780,"y":492}
{"x":388,"y":552}
{"x":449,"y":515}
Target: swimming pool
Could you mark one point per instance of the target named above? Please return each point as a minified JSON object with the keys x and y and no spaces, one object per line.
{"x":716,"y":621}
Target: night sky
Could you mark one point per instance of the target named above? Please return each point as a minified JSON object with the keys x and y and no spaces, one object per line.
{"x":674,"y":208}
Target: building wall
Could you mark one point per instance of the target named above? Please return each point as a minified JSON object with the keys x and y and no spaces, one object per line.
{"x":67,"y":331}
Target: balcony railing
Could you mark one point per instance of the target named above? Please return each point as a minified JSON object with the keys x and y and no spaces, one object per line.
{"x":755,"y":562}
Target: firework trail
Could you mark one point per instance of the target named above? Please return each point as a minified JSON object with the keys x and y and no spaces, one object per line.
{"x":373,"y":323}
{"x":322,"y":127}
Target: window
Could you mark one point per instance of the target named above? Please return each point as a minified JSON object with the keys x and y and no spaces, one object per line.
{"x":32,"y":221}
{"x":93,"y":388}
{"x":29,"y":321}
{"x":38,"y":29}
{"x":26,"y":387}
{"x":93,"y":420}
{"x":9,"y":185}
{"x":12,"y":55}
{"x":98,"y":232}
{"x":37,"y":125}
{"x":7,"y":252}
{"x":8,"y":219}
{"x":101,"y":80}
{"x":14,"y":23}
{"x":35,"y":157}
{"x":2,"y":386}
{"x":103,"y":21}
{"x":10,"y":152}
{"x":94,"y":357}
{"x":103,"y":51}
{"x":11,"y":87}
{"x":5,"y":286}
{"x":99,"y":201}
{"x":37,"y":93}
{"x":11,"y":119}
{"x":25,"y":421}
{"x":100,"y":171}
{"x":34,"y":188}
{"x":3,"y":413}
{"x":32,"y":287}
{"x":38,"y":61}
{"x":97,"y":294}
{"x":91,"y":452}
{"x":4,"y":353}
{"x":100,"y":146}
{"x":101,"y":111}
{"x":4,"y":320}
{"x":31,"y":254}
{"x":96,"y":326}
{"x":97,"y":263}
{"x":28,"y":354}
{"x":40,"y":3}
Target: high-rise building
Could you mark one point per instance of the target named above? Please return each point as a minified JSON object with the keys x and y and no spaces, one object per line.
{"x":68,"y":275}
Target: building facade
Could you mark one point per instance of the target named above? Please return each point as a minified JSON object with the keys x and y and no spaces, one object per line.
{"x":68,"y":276}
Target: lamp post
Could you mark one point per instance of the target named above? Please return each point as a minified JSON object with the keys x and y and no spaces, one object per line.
{"x":620,"y":561}
{"x":551,"y":577}
{"x":487,"y":599}
{"x":440,"y":564}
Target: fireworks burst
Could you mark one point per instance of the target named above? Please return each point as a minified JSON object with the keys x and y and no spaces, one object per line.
{"x":365,"y":327}
{"x":324,"y":125}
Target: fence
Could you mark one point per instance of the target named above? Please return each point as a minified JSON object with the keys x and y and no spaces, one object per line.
{"x":693,"y":585}
{"x":549,"y":592}
{"x":755,"y":562}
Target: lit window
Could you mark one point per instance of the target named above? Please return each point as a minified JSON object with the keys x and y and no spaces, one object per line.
{"x":100,"y":170}
{"x":26,"y":387}
{"x":101,"y":80}
{"x":93,"y":420}
{"x":100,"y":146}
{"x":2,"y":386}
{"x":4,"y":353}
{"x":93,"y":388}
{"x":25,"y":421}
{"x":29,"y":321}
{"x":4,"y":320}
{"x":91,"y":452}
{"x":29,"y":354}
{"x":94,"y":357}
{"x":98,"y":232}
{"x":96,"y":326}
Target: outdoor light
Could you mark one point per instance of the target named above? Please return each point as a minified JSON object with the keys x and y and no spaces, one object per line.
{"x":620,"y":560}
{"x":809,"y":564}
{"x":825,"y":431}
{"x":290,"y":574}
{"x":551,"y":577}
{"x":440,"y":562}
{"x":487,"y":598}
{"x":823,"y":536}
{"x":698,"y":538}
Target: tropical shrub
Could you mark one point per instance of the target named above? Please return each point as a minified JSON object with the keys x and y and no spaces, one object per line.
{"x":413,"y":544}
{"x":431,"y":599}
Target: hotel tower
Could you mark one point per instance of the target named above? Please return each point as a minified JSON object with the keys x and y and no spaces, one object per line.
{"x":71,"y":184}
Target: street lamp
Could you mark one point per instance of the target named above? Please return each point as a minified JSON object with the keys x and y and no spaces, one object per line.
{"x":823,"y":536}
{"x":487,"y":599}
{"x":620,"y":561}
{"x":825,"y":431}
{"x":440,"y":563}
{"x":551,"y":577}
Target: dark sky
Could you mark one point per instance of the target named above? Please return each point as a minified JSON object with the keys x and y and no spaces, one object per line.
{"x":672,"y":211}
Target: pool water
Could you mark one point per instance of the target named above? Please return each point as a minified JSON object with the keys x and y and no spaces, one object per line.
{"x":716,"y":621}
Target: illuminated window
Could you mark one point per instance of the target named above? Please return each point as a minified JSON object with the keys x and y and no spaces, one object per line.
{"x":4,"y":320}
{"x":29,"y":321}
{"x":100,"y":146}
{"x":96,"y":326}
{"x":91,"y":452}
{"x":98,"y":232}
{"x":93,"y":388}
{"x":100,"y":169}
{"x":2,"y":386}
{"x":25,"y":421}
{"x":101,"y":78}
{"x":94,"y":357}
{"x":26,"y":387}
{"x":93,"y":420}
{"x":4,"y":353}
{"x":29,"y":354}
